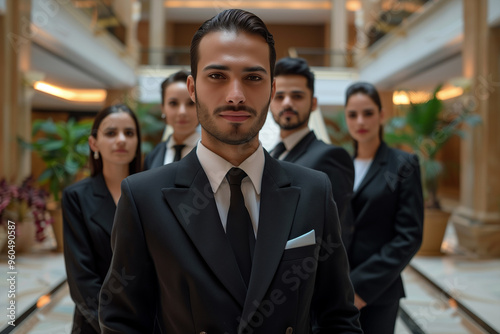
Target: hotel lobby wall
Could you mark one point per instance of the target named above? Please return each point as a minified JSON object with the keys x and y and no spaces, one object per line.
{"x":285,"y":35}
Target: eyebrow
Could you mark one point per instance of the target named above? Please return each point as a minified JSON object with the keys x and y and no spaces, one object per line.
{"x":115,"y":127}
{"x":226,"y":68}
{"x":301,"y":92}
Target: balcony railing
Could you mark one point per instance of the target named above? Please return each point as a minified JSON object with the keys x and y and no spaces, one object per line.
{"x":392,"y":13}
{"x":103,"y":17}
{"x":169,"y":56}
{"x":321,"y":57}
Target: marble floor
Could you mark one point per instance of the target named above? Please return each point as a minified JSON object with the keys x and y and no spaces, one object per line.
{"x":451,"y":294}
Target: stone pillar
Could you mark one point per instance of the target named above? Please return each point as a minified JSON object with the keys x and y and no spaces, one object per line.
{"x":157,"y":24}
{"x":15,"y":90}
{"x":338,"y":33}
{"x":477,"y":219}
{"x":129,"y":12}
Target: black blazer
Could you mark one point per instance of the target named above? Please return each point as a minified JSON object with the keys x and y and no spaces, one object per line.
{"x":88,"y":211}
{"x":388,"y":217}
{"x":156,"y":157}
{"x":337,"y":164}
{"x":174,"y":262}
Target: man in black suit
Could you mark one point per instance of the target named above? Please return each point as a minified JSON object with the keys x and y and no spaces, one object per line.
{"x":198,"y":252}
{"x":291,"y":107}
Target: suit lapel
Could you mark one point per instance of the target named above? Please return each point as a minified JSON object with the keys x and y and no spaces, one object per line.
{"x":104,"y":211}
{"x":298,"y":150}
{"x":159,"y":158}
{"x":277,"y":201}
{"x":379,"y":160}
{"x":193,"y":204}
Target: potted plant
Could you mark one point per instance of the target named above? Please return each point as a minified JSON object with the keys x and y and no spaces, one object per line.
{"x":26,"y":207}
{"x":425,"y":129}
{"x":63,"y":147}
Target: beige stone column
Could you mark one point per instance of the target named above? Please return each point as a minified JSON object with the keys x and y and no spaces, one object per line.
{"x":15,"y":90}
{"x":129,"y":12}
{"x":477,"y":220}
{"x":157,"y":24}
{"x":338,"y":33}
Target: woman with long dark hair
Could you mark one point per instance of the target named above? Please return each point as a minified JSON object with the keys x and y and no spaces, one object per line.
{"x":179,"y":111}
{"x":388,"y":212}
{"x":89,"y":207}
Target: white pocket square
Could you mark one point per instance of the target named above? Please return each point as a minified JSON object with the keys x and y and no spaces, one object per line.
{"x":304,"y":240}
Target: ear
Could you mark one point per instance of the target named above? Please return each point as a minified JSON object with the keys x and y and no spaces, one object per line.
{"x":92,"y":144}
{"x":382,"y":116}
{"x":273,"y":89}
{"x":314,"y":105}
{"x":191,"y":88}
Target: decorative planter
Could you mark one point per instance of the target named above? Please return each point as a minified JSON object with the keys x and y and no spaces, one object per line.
{"x":435,"y":222}
{"x":482,"y":240}
{"x":57,"y":224}
{"x":24,"y":240}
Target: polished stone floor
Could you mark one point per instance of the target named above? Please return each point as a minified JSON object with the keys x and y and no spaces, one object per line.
{"x":448,"y":294}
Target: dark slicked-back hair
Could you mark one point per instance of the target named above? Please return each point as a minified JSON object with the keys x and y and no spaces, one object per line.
{"x":180,"y":76}
{"x":236,"y":20}
{"x":365,"y":88}
{"x":295,"y":66}
{"x":96,"y":165}
{"x":369,"y":90}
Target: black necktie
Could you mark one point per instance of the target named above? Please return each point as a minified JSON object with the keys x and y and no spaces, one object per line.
{"x":178,"y":152}
{"x":239,"y":228}
{"x":278,"y":150}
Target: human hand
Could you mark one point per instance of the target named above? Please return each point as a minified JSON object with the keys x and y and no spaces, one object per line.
{"x":359,"y":302}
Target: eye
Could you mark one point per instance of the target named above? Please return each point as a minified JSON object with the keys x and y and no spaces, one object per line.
{"x":351,"y":115}
{"x":368,"y":113}
{"x":129,"y":133}
{"x":297,"y":96}
{"x":254,"y":78}
{"x":190,"y":103}
{"x":216,"y":76}
{"x":110,"y":133}
{"x":278,"y":97}
{"x":172,"y":103}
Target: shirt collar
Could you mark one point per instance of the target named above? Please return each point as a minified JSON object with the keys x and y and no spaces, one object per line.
{"x":217,"y":167}
{"x":293,"y":139}
{"x":190,"y":141}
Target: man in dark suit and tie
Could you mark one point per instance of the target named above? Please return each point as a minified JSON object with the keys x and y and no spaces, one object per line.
{"x":291,"y":107}
{"x":228,"y":240}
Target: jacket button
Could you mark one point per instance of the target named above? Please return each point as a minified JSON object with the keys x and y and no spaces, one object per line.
{"x":289,"y":330}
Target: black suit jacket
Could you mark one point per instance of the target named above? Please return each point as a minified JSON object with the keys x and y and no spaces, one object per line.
{"x":388,"y":218}
{"x":156,"y":157}
{"x":175,"y":263}
{"x":88,"y":211}
{"x":337,"y":164}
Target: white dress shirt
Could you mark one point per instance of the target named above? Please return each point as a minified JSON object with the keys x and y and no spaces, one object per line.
{"x":190,"y":143}
{"x":292,"y":140}
{"x":361,"y":167}
{"x":216,"y":169}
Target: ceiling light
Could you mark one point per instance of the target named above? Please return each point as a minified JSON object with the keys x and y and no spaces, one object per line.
{"x":353,"y":5}
{"x":75,"y":95}
{"x":407,"y":97}
{"x":298,"y":5}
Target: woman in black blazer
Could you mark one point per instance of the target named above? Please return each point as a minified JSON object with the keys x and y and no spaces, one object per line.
{"x":89,"y":207}
{"x":388,"y":213}
{"x":179,"y":111}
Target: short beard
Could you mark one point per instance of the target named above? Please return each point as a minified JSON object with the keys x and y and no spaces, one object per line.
{"x":291,"y":126}
{"x":235,"y":137}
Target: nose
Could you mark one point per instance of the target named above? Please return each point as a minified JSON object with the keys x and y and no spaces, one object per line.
{"x":287,"y":102}
{"x":121,"y":137}
{"x":235,"y":94}
{"x":360,"y":119}
{"x":182,"y":108}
